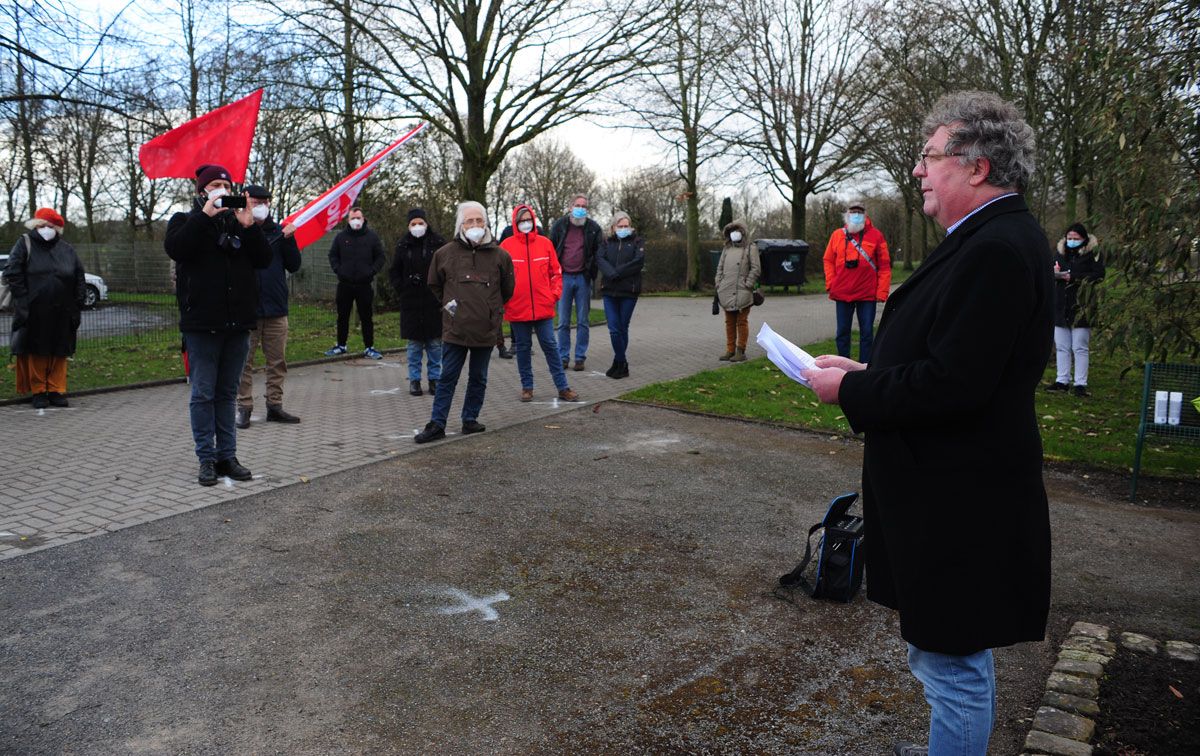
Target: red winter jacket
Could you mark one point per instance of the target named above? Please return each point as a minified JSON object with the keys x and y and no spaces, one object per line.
{"x":537,"y":272}
{"x":861,"y":283}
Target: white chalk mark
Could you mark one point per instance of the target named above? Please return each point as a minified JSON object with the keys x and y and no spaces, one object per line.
{"x":228,"y":482}
{"x":381,"y":392}
{"x":472,"y":604}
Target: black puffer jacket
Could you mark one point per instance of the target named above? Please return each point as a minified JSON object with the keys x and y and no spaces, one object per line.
{"x":420,"y":311}
{"x":356,"y":256}
{"x":1085,"y":267}
{"x":214,"y":281}
{"x":620,"y":262}
{"x":46,"y":279}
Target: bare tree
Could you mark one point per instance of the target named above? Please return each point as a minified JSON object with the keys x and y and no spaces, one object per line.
{"x":803,"y":91}
{"x":548,"y":175}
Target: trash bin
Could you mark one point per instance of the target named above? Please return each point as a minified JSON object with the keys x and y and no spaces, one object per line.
{"x":715,"y":255}
{"x":782,"y":261}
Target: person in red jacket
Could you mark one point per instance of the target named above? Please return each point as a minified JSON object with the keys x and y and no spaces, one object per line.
{"x":858,"y":273}
{"x":531,"y":309}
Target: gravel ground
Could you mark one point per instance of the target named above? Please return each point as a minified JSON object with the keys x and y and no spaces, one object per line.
{"x":627,"y":553}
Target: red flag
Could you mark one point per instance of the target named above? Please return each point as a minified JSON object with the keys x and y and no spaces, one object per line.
{"x":222,"y":137}
{"x":316,"y":218}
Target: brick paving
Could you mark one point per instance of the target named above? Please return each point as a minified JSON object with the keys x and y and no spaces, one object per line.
{"x":115,"y":460}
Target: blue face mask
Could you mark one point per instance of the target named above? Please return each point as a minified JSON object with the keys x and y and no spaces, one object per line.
{"x":857,"y":218}
{"x":579,"y":212}
{"x":1074,"y":243}
{"x":623,"y":233}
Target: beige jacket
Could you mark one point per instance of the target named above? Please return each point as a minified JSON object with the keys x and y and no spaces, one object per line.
{"x":738,"y":270}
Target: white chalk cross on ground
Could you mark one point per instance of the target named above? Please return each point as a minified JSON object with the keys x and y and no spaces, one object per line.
{"x":471,"y":604}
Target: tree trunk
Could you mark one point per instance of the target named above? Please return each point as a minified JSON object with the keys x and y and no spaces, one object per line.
{"x":349,"y":143}
{"x":799,"y":211}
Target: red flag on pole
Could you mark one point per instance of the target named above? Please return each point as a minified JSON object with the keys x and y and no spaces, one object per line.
{"x":222,"y":137}
{"x":316,"y":218}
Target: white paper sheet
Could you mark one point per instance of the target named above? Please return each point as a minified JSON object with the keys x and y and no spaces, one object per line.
{"x":788,"y":357}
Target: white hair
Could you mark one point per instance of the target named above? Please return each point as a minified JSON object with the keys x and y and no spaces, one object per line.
{"x":460,"y":217}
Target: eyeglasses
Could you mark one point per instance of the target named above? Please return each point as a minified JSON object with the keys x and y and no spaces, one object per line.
{"x":924,"y":157}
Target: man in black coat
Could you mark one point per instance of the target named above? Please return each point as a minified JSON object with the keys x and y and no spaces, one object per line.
{"x":576,"y":239}
{"x":957,"y":525}
{"x":216,"y":251}
{"x":356,"y":256}
{"x":272,"y":331}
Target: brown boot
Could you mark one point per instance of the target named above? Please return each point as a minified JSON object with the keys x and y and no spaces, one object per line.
{"x":567,"y":395}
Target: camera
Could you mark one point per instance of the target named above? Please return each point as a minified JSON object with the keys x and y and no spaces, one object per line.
{"x":415,"y":279}
{"x":233,"y":201}
{"x":851,"y":263}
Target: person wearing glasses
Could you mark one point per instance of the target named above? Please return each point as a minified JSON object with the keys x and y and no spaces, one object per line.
{"x":858,"y":273}
{"x":957,"y":524}
{"x":216,"y":250}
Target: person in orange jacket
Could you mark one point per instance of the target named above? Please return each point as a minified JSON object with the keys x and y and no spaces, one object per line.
{"x":531,"y":309}
{"x":858,"y":272}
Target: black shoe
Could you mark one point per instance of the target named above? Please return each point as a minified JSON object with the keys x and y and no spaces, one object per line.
{"x":1057,"y":387}
{"x":57,"y":399}
{"x":433,"y":386}
{"x":622,"y":370}
{"x":432,"y":432}
{"x":612,"y":369}
{"x":233,"y":469}
{"x":243,"y":417}
{"x":414,"y":388}
{"x":505,"y":354}
{"x":41,"y":401}
{"x":909,"y":749}
{"x":208,"y":474}
{"x":275,"y":414}
{"x":1077,"y":391}
{"x":473,"y":426}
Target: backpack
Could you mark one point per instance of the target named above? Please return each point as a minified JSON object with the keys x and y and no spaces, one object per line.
{"x":838,"y":572}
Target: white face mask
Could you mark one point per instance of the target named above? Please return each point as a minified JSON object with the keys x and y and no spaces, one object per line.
{"x":525,"y":226}
{"x":735,"y":236}
{"x":47,"y":233}
{"x":418,"y":230}
{"x":260,"y":212}
{"x":475,"y":234}
{"x":217,"y":193}
{"x":356,"y":223}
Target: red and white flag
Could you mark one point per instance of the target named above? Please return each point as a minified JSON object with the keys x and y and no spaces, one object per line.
{"x":222,"y":137}
{"x":316,"y":218}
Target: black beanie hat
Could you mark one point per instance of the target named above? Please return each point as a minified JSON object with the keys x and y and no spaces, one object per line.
{"x":257,"y":192}
{"x":208,"y":173}
{"x":1079,"y":229}
{"x":416,"y":212}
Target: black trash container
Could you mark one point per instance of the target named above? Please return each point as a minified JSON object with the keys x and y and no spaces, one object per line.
{"x":782,"y":261}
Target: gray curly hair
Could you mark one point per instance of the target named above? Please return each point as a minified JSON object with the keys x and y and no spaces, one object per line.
{"x":982,"y":125}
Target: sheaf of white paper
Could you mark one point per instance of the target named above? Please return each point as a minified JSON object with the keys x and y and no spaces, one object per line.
{"x":788,"y":357}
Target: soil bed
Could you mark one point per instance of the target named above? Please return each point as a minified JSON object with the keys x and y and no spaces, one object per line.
{"x":1148,"y":707}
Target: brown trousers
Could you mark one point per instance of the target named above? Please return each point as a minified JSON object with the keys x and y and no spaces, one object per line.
{"x":737,"y":328}
{"x":41,"y":374}
{"x":272,"y":335}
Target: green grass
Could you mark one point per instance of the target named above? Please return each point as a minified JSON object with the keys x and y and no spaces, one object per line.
{"x":1099,"y":431}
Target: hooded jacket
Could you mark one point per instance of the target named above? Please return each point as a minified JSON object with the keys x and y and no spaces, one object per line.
{"x":478,"y":280}
{"x":737,"y":270}
{"x":1084,"y":267}
{"x":536,"y":270}
{"x":214,"y":280}
{"x":46,"y":279}
{"x":420,"y":311}
{"x":861,"y":282}
{"x":356,"y":256}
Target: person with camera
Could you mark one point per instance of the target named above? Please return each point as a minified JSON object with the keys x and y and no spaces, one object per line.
{"x":858,"y":273}
{"x":272,"y":331}
{"x":216,"y":249}
{"x":420,"y":311}
{"x":356,"y":256}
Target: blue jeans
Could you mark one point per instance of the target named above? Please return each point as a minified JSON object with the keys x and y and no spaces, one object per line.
{"x":962,"y":693}
{"x":522,"y":333}
{"x":433,"y":353}
{"x":577,"y":292}
{"x":866,"y":328}
{"x":618,"y":311}
{"x":215,"y":362}
{"x":453,"y":357}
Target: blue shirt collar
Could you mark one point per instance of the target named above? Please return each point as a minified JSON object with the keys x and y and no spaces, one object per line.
{"x":985,"y":204}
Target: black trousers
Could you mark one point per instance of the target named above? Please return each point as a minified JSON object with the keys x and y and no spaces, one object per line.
{"x":349,"y":295}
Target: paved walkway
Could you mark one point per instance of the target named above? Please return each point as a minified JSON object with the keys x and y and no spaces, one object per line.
{"x":115,"y":460}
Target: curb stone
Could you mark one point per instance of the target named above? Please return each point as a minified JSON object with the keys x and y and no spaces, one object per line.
{"x":1064,"y":724}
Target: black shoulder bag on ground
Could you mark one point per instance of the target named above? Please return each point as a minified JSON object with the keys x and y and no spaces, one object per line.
{"x":837,"y":574}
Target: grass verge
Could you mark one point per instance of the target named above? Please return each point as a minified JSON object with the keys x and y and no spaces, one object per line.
{"x":1099,"y":431}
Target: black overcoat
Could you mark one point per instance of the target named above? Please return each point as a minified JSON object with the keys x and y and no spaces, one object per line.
{"x":46,"y":278}
{"x":957,"y":526}
{"x":420,"y":311}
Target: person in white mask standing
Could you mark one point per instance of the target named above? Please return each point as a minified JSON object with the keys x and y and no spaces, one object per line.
{"x":356,"y":256}
{"x":737,"y":278}
{"x":472,"y":278}
{"x":272,"y":331}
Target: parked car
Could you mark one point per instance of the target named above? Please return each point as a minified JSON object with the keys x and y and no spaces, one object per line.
{"x":96,"y":288}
